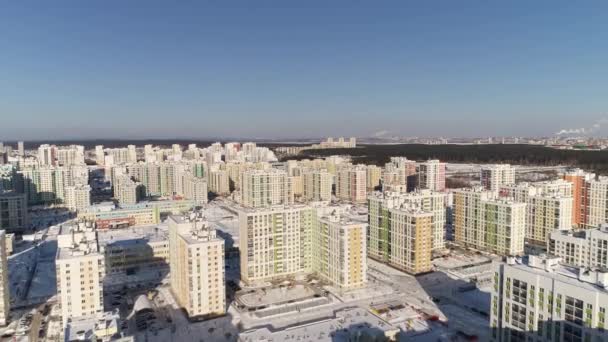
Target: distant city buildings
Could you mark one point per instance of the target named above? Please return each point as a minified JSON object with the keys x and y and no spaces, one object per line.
{"x":339,"y":143}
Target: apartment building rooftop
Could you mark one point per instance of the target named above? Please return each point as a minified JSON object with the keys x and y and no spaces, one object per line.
{"x":79,"y":248}
{"x":583,"y":233}
{"x":200,"y":229}
{"x":550,"y":266}
{"x":134,"y":235}
{"x":343,"y":327}
{"x":89,"y":328}
{"x":279,"y":207}
{"x":344,"y":218}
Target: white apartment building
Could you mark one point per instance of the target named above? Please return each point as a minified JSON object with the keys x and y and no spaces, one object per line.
{"x":316,"y":185}
{"x":197,"y":266}
{"x":597,"y":201}
{"x":493,"y":177}
{"x":537,"y":299}
{"x":5,"y":304}
{"x":351,"y":183}
{"x":264,"y":188}
{"x":69,"y":155}
{"x":13,"y":211}
{"x":195,"y":188}
{"x":218,"y":182}
{"x":77,"y":197}
{"x":80,"y":272}
{"x":126,"y":191}
{"x":485,"y":222}
{"x":47,"y":154}
{"x":48,"y":183}
{"x":99,"y":155}
{"x":431,"y":175}
{"x":582,"y":248}
{"x":272,"y":242}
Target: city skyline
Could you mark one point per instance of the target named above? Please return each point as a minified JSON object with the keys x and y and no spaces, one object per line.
{"x":286,"y":71}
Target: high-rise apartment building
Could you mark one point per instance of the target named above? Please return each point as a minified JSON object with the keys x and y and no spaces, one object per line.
{"x":69,"y":155}
{"x":80,"y":272}
{"x":596,"y":202}
{"x":197,"y":266}
{"x":374,"y":175}
{"x":99,"y":155}
{"x":351,"y":183}
{"x":272,"y":242}
{"x":21,"y":148}
{"x":579,"y":179}
{"x":219,"y":182}
{"x":286,"y":241}
{"x":264,"y":188}
{"x":13,"y":212}
{"x":400,"y":234}
{"x":195,"y":188}
{"x":316,"y":185}
{"x":537,"y":299}
{"x":126,"y":191}
{"x":483,"y":221}
{"x":339,"y":250}
{"x":77,"y":197}
{"x":493,"y":177}
{"x":431,"y":175}
{"x":399,"y":172}
{"x":549,"y":207}
{"x":582,"y":248}
{"x":47,"y":184}
{"x":5,"y":304}
{"x":424,"y":200}
{"x":47,"y":154}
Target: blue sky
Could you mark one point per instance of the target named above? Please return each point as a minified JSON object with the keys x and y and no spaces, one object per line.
{"x":276,"y":69}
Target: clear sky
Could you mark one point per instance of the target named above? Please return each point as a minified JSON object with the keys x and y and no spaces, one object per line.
{"x":276,"y":69}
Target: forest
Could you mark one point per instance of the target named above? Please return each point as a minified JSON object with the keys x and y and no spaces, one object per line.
{"x":596,"y":161}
